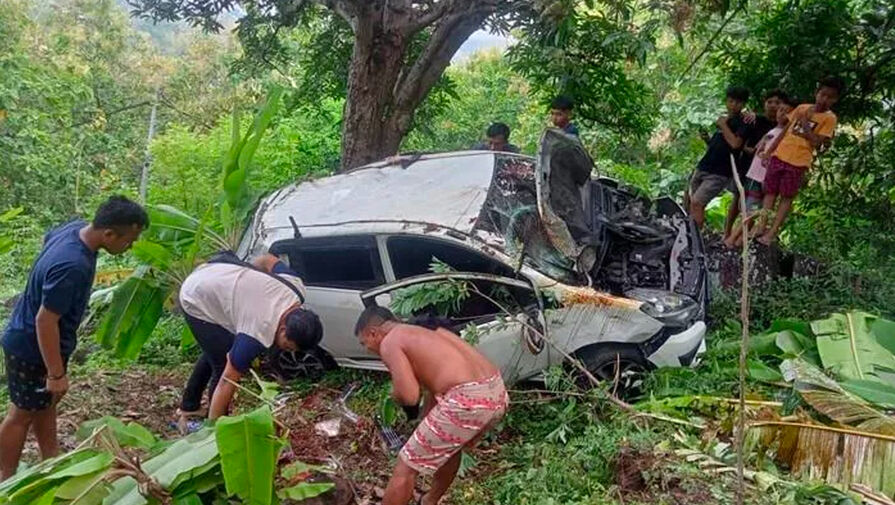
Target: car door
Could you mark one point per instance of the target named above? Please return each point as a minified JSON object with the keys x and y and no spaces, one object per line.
{"x":335,"y":271}
{"x":508,"y":333}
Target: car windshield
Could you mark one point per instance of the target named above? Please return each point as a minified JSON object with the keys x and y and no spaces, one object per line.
{"x":510,"y":217}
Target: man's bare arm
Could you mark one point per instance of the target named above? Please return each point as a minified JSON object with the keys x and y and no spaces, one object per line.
{"x":47,"y":323}
{"x":223,"y":393}
{"x":406,"y":388}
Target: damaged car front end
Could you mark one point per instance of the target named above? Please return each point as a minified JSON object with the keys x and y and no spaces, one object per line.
{"x":536,"y":259}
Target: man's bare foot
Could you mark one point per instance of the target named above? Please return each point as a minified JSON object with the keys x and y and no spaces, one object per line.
{"x":729,"y":244}
{"x":767,"y":239}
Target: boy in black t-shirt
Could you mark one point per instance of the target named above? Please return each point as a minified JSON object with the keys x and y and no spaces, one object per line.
{"x":713,"y":173}
{"x":759,"y":126}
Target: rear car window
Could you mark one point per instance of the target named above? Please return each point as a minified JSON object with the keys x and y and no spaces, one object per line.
{"x":350,"y":262}
{"x":412,"y":255}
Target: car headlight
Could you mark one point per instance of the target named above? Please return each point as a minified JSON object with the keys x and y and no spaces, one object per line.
{"x":672,"y":309}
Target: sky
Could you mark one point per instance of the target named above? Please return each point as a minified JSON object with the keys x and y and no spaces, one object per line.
{"x":478,"y":41}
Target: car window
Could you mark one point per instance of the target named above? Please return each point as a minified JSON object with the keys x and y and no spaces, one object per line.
{"x":412,"y":255}
{"x":350,"y":262}
{"x":458,"y":302}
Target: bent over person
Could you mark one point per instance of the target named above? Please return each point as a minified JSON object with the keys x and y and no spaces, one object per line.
{"x":236,"y":311}
{"x":465,"y":398}
{"x":42,"y":331}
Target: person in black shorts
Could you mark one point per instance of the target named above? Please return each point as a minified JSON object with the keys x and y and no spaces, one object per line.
{"x":41,"y":334}
{"x":713,"y":173}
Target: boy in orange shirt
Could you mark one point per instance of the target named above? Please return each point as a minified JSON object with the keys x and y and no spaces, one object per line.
{"x":810,"y":126}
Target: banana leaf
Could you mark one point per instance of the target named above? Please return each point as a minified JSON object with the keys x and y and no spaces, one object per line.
{"x":87,"y":489}
{"x":848,"y":347}
{"x":249,"y":449}
{"x":183,"y":456}
{"x":834,"y":455}
{"x":173,"y":228}
{"x":152,"y":253}
{"x":40,"y":471}
{"x":877,"y":393}
{"x":36,"y":489}
{"x":127,"y":435}
{"x":827,"y":397}
{"x":236,"y":174}
{"x":305,"y":490}
{"x":884,"y":331}
{"x":796,"y":344}
{"x":133,"y":314}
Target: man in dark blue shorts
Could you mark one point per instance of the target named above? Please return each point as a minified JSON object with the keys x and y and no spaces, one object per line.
{"x":41,"y":334}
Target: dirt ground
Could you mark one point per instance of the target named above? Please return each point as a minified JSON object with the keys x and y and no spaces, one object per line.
{"x":357,"y":454}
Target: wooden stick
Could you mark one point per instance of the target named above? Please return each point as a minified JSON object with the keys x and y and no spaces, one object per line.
{"x":744,"y":343}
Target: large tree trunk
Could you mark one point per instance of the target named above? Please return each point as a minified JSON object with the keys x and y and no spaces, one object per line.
{"x":375,"y":66}
{"x":384,"y":88}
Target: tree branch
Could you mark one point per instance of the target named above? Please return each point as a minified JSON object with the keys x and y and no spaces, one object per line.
{"x":347,"y":9}
{"x":432,"y":14}
{"x":448,"y":36}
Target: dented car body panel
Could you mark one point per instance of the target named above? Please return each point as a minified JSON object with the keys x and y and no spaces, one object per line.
{"x":368,"y":235}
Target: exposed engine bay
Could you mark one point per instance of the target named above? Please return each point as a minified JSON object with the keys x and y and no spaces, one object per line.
{"x":588,"y":231}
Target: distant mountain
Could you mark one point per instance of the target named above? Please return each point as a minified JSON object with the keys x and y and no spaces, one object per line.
{"x":166,"y":36}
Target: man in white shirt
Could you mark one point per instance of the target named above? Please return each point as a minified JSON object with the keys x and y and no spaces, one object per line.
{"x":236,"y":312}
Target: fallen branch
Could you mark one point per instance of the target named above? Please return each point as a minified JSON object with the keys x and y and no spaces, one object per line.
{"x":744,"y":343}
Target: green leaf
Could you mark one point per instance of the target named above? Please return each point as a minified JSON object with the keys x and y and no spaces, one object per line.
{"x":42,"y":469}
{"x":85,"y":489}
{"x":128,"y":435}
{"x":877,"y":393}
{"x":764,"y":345}
{"x":132,"y":316}
{"x":296,"y":468}
{"x":36,"y":488}
{"x":388,"y":409}
{"x":798,"y":345}
{"x":269,"y":390}
{"x":849,"y":349}
{"x":827,"y":397}
{"x":762,"y":372}
{"x":190,"y":499}
{"x":884,"y":331}
{"x":10,"y":214}
{"x":249,"y":449}
{"x":152,"y":253}
{"x":183,"y":456}
{"x":305,"y":490}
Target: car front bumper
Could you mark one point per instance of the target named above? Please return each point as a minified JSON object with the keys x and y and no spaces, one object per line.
{"x":681,"y":349}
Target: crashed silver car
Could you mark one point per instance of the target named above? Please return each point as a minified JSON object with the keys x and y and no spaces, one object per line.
{"x":523,"y":257}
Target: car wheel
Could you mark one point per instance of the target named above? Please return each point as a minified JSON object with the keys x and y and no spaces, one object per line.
{"x":614,"y":362}
{"x":291,"y":365}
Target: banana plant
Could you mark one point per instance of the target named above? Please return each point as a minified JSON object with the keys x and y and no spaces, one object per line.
{"x":176,"y":241}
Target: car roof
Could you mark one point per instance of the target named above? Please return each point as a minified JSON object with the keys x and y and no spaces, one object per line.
{"x":445,"y":189}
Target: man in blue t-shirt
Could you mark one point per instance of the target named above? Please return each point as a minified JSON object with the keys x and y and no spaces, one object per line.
{"x":41,"y":334}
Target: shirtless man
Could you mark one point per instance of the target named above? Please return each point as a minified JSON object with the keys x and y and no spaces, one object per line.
{"x":466,"y":397}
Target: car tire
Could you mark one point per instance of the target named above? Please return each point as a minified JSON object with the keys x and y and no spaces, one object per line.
{"x":603,"y":361}
{"x":292,"y":365}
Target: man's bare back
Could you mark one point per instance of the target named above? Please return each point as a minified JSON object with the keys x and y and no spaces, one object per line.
{"x":439,"y":359}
